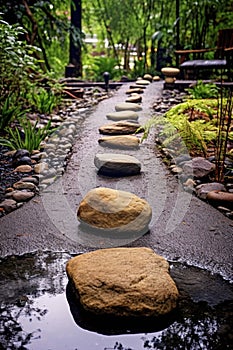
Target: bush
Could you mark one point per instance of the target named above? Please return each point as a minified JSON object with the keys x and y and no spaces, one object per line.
{"x":16,"y":70}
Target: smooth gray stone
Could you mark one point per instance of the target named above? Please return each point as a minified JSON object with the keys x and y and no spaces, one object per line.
{"x":122,"y":115}
{"x":111,"y":164}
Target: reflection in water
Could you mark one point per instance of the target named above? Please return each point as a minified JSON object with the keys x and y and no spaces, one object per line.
{"x":36,"y":303}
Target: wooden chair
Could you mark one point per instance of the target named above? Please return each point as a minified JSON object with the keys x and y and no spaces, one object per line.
{"x":222,"y":58}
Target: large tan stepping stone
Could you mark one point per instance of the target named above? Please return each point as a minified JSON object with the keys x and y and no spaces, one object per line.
{"x":122,"y":115}
{"x":112,"y":164}
{"x":121,"y":142}
{"x":119,"y":128}
{"x":123,"y":282}
{"x":110,"y":211}
{"x":127,"y":106}
{"x":136,"y":90}
{"x":142,"y":82}
{"x":134,"y":98}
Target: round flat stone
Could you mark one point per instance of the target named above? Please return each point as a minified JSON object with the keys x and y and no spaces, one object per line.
{"x":142,"y":82}
{"x":136,"y":90}
{"x":127,"y":106}
{"x":111,"y":164}
{"x":123,"y":282}
{"x":170,"y":71}
{"x":138,"y":86}
{"x":121,"y":142}
{"x":120,"y":128}
{"x":122,"y":115}
{"x":135,"y":98}
{"x":115,"y":213}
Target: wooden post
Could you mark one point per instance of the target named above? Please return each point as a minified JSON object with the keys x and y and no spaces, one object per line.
{"x":177,"y":30}
{"x":74,"y":68}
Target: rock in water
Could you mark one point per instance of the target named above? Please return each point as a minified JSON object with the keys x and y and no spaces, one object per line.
{"x":128,"y":282}
{"x":120,"y":142}
{"x":112,"y":164}
{"x":119,"y":213}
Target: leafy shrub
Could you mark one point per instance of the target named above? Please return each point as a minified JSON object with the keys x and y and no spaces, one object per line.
{"x":16,"y":70}
{"x":9,"y":109}
{"x":203,"y":90}
{"x":44,"y":101}
{"x":181,"y":130}
{"x":104,"y":64}
{"x":27,"y":137}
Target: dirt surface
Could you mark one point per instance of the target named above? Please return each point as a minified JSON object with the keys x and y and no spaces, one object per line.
{"x":183,"y":228}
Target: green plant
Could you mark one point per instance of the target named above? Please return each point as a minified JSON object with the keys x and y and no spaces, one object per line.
{"x":105,"y":64}
{"x":179,"y":130}
{"x":9,"y":110}
{"x":203,"y":90}
{"x":27,"y":137}
{"x":44,"y":101}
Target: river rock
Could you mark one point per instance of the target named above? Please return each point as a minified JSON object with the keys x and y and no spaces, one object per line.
{"x":114,"y":212}
{"x":20,"y":153}
{"x":122,"y":115}
{"x":22,"y":196}
{"x":23,"y":169}
{"x":127,"y":106}
{"x":199,"y":167}
{"x":123,"y":282}
{"x":22,"y":185}
{"x":219,"y":198}
{"x":121,"y":142}
{"x":120,"y":128}
{"x":134,"y":98}
{"x":41,"y":167}
{"x":8,"y":205}
{"x":203,"y":189}
{"x":111,"y":164}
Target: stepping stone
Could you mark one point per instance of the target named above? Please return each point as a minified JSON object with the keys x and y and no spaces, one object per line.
{"x":138,"y":86}
{"x":127,"y":106}
{"x":115,"y":213}
{"x":156,"y":78}
{"x":123,"y":282}
{"x":135,"y":90}
{"x":122,"y":142}
{"x":135,"y":98}
{"x":148,"y":77}
{"x":119,"y":128}
{"x":122,"y":115}
{"x":111,"y":164}
{"x":142,"y":82}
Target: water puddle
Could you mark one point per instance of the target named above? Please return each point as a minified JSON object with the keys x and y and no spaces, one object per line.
{"x":39,"y":311}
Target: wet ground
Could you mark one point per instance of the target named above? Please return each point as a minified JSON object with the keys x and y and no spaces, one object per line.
{"x":185,"y":230}
{"x":39,"y":311}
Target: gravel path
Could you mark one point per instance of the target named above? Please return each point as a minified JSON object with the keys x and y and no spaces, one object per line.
{"x":183,"y":227}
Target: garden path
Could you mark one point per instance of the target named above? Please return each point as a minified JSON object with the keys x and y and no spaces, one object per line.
{"x":183,"y":227}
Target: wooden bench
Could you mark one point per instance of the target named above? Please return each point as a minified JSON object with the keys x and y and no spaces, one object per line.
{"x":222,"y":60}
